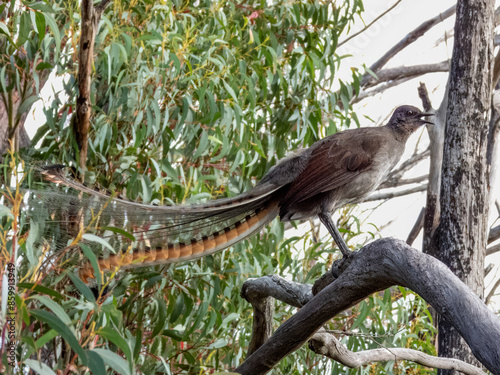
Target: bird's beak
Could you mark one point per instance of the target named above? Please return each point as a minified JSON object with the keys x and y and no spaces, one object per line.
{"x":425,"y":115}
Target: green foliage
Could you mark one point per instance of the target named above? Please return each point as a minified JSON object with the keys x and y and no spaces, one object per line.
{"x":30,"y":43}
{"x":191,"y":100}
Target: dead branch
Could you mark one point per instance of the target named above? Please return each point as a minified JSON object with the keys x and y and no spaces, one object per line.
{"x":493,"y":249}
{"x":370,"y":24}
{"x":494,"y":234}
{"x":392,"y":183}
{"x":90,"y":18}
{"x":401,"y":72}
{"x":417,"y":227}
{"x":409,"y":39}
{"x":377,"y":90}
{"x":492,"y":292}
{"x":376,"y":267}
{"x":436,"y":137}
{"x":328,"y":345}
{"x":394,"y":193}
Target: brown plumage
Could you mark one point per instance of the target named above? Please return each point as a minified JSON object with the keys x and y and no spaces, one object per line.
{"x":340,"y":169}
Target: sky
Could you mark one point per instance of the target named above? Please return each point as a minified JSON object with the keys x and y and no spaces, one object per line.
{"x":396,"y":217}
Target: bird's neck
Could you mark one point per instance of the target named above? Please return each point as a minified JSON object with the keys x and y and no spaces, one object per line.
{"x":400,"y":133}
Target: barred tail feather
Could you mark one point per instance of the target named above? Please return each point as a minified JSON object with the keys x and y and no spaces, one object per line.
{"x":196,"y":248}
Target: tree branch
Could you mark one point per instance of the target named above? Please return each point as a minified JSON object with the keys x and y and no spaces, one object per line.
{"x":394,"y":182}
{"x":409,"y":39}
{"x":417,"y":227}
{"x":370,"y":24}
{"x":406,"y":72}
{"x":494,"y":234}
{"x":395,"y":193}
{"x":492,"y":292}
{"x":376,"y":267}
{"x":90,"y":18}
{"x":259,"y":292}
{"x":493,"y":249}
{"x":328,"y":345}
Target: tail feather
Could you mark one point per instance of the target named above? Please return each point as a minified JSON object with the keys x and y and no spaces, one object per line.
{"x":159,"y":234}
{"x":196,"y":248}
{"x":55,"y":174}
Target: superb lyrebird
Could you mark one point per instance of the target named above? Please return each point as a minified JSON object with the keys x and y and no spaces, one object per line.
{"x":337,"y":170}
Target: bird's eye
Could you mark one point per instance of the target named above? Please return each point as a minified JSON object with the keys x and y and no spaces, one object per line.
{"x":410,"y":113}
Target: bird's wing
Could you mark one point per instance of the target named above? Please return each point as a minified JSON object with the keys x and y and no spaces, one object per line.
{"x":337,"y":160}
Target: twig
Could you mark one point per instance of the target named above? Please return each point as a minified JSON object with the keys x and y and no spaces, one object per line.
{"x":493,"y":249}
{"x":370,"y":24}
{"x":494,"y":234}
{"x":409,"y":39}
{"x":408,"y":164}
{"x":394,"y":194}
{"x":406,"y":72}
{"x":417,"y":227}
{"x":394,"y":182}
{"x":492,"y":292}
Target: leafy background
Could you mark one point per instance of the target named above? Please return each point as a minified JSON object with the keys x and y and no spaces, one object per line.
{"x":192,"y":100}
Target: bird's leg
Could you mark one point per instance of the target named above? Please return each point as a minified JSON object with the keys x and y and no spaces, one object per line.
{"x":327,"y":221}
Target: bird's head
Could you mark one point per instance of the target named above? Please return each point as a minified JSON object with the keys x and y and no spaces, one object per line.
{"x":406,"y":119}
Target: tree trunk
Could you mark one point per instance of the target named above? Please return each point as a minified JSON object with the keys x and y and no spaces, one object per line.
{"x":461,"y":236}
{"x":20,"y":138}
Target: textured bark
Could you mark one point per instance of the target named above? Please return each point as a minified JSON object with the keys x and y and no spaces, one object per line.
{"x":20,"y":137}
{"x":90,"y":22}
{"x":461,"y":236}
{"x":261,"y":293}
{"x":376,"y":267}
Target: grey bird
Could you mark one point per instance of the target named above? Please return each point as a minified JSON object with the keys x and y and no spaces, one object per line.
{"x":337,"y":170}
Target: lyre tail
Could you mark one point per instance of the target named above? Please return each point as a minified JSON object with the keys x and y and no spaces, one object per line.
{"x":196,"y":248}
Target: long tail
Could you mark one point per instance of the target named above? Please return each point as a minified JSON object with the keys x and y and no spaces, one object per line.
{"x":183,"y":251}
{"x":162,"y":234}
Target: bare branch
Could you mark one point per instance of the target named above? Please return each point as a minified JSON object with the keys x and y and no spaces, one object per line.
{"x":377,"y":90}
{"x":290,"y":292}
{"x":370,"y":24}
{"x":376,"y":267}
{"x":417,"y":227}
{"x":262,"y":328}
{"x":328,"y":345}
{"x":406,"y":72}
{"x":494,"y":234}
{"x":488,"y":269}
{"x":436,"y":137}
{"x":261,"y":293}
{"x":409,"y":39}
{"x":492,"y":292}
{"x":392,"y":183}
{"x":393,"y":194}
{"x":493,"y":249}
{"x":424,"y":96}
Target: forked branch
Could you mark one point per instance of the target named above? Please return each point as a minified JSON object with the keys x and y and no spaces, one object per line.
{"x":376,"y":267}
